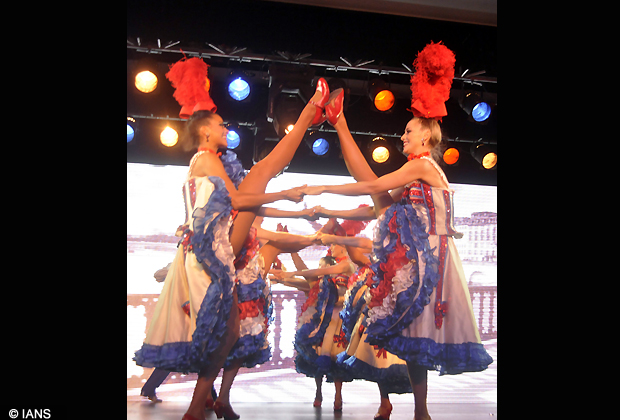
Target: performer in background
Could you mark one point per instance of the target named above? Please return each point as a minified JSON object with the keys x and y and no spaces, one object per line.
{"x":419,"y":306}
{"x":319,"y":337}
{"x":217,"y":271}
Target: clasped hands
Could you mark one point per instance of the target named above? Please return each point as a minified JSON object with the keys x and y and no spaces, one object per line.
{"x":296,"y":194}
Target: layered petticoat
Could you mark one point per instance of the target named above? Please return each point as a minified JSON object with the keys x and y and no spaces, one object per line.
{"x":361,"y":359}
{"x":192,"y":310}
{"x":204,"y":277}
{"x":255,"y":306}
{"x":319,"y":336}
{"x":412,"y":266}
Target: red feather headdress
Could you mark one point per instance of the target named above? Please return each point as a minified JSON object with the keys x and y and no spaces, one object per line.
{"x":431,"y":83}
{"x":189,"y":79}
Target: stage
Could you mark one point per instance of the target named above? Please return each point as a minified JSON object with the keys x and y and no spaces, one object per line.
{"x":285,"y":395}
{"x":143,"y":410}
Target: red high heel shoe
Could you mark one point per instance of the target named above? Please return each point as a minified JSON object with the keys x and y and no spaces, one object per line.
{"x":317,"y":402}
{"x":209,"y":404}
{"x":381,"y":417}
{"x":224,"y":410}
{"x":333,"y":107}
{"x":319,"y":117}
{"x":338,"y":405}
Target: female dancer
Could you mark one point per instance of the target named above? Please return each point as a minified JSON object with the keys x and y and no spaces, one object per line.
{"x":417,"y":262}
{"x":204,"y":272}
{"x":360,"y":359}
{"x":319,"y":336}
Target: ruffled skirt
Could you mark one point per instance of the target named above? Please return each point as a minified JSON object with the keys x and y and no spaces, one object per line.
{"x":319,"y":337}
{"x":419,"y":307}
{"x":194,"y":306}
{"x":361,"y":359}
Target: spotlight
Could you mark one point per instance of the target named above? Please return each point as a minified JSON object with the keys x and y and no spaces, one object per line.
{"x":380,"y":95}
{"x":131,"y":129}
{"x":484,"y":154}
{"x":169,"y":136}
{"x":239,"y":89}
{"x":473,"y":104}
{"x":286,"y":113}
{"x":451,"y":156}
{"x":146,"y":81}
{"x":379,"y":150}
{"x":317,"y":142}
{"x":290,"y":87}
{"x":320,"y":146}
{"x":233,"y":139}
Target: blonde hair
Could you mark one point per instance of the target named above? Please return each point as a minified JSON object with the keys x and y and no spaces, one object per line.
{"x":434,"y":141}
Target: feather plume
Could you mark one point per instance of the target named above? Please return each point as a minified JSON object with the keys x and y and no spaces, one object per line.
{"x":189,"y":78}
{"x":431,"y":83}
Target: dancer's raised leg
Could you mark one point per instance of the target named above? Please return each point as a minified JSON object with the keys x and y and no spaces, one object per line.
{"x":356,"y":162}
{"x":263,"y":171}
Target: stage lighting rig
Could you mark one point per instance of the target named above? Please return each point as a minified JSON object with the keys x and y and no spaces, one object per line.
{"x":485,"y":154}
{"x":381,"y":95}
{"x":290,"y":87}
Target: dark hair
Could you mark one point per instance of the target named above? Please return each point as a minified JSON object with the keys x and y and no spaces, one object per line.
{"x":328,"y":260}
{"x":191,"y":137}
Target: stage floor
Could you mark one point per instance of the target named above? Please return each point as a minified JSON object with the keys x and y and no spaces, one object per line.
{"x":141,"y":410}
{"x":289,"y":395}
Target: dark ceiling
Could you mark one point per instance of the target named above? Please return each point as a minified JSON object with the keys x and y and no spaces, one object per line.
{"x":274,"y":30}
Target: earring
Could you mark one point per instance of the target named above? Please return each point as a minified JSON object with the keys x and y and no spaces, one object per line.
{"x":423,"y":142}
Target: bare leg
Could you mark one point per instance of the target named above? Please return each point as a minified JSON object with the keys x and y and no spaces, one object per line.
{"x":418,"y":376}
{"x":356,"y":163}
{"x":319,"y":393}
{"x":289,"y":243}
{"x":227,"y":380}
{"x":261,"y":173}
{"x":207,"y":376}
{"x":386,"y":407}
{"x":338,"y":396}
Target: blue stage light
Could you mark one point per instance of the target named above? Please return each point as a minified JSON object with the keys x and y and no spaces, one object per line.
{"x":233,"y":139}
{"x":239,"y":89}
{"x":320,"y":146}
{"x":481,"y":111}
{"x":130,"y":133}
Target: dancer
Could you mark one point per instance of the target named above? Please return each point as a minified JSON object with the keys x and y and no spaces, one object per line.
{"x":204,"y":273}
{"x":319,"y":337}
{"x":418,"y":269}
{"x":362,"y":360}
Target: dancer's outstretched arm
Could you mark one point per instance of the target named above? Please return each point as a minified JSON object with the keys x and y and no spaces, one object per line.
{"x":210,"y":164}
{"x":360,"y":213}
{"x":355,"y":241}
{"x":296,"y":282}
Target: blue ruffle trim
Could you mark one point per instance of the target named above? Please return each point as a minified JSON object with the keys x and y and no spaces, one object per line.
{"x":233,"y":167}
{"x":328,"y":295}
{"x":170,"y":356}
{"x":447,"y":358}
{"x":412,"y":234}
{"x":251,"y":347}
{"x":394,"y":379}
{"x":350,"y":313}
{"x":322,"y":366}
{"x":215,"y":307}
